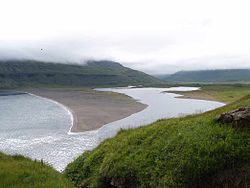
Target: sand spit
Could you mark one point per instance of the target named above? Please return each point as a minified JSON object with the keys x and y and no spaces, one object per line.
{"x":91,"y":109}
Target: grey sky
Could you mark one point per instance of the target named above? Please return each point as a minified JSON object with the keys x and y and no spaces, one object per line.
{"x":156,"y":36}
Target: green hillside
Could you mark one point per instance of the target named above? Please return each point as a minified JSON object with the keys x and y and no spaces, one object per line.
{"x":193,"y":151}
{"x":20,"y":172}
{"x":227,"y":75}
{"x":93,"y":74}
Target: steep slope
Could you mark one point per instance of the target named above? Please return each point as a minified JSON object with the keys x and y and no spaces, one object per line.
{"x":94,"y":73}
{"x":229,"y":75}
{"x":194,"y":151}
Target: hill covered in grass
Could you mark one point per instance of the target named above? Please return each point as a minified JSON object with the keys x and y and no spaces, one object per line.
{"x":93,"y":74}
{"x":21,"y":172}
{"x":227,"y":75}
{"x":193,"y":151}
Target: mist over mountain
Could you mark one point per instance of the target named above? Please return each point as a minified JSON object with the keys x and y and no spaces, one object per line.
{"x":27,"y":73}
{"x":155,"y":38}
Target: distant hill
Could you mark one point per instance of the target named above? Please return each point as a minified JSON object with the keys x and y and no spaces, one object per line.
{"x":227,"y":75}
{"x":92,"y":74}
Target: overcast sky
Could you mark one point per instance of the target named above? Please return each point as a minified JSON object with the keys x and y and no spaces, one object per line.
{"x":150,"y":35}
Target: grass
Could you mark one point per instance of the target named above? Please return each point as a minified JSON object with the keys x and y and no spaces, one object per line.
{"x":192,"y":151}
{"x":20,"y":172}
{"x":222,"y":93}
{"x":227,"y":93}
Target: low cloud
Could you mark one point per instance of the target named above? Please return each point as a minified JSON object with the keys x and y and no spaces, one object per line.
{"x":155,"y":37}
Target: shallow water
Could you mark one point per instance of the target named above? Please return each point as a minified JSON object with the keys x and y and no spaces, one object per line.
{"x":38,"y":128}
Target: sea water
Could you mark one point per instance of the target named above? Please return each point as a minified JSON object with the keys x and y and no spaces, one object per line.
{"x":39,"y":128}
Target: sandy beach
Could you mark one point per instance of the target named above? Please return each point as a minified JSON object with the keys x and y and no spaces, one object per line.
{"x":91,"y":109}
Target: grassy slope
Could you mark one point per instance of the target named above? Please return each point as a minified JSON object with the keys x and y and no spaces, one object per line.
{"x":180,"y":152}
{"x":20,"y":172}
{"x":95,"y":73}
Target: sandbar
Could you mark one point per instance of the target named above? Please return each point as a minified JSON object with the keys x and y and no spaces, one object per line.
{"x":91,"y":109}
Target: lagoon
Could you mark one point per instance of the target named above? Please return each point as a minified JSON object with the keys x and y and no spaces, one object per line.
{"x":39,"y":128}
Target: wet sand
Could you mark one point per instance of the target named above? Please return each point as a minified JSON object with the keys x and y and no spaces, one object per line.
{"x":91,"y":109}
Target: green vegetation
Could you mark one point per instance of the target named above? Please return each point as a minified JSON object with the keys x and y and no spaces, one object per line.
{"x":193,"y":151}
{"x":212,"y":76}
{"x":227,"y":93}
{"x":20,"y":172}
{"x":93,"y":74}
{"x":223,"y":93}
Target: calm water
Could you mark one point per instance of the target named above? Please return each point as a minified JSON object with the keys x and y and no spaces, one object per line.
{"x":38,"y":128}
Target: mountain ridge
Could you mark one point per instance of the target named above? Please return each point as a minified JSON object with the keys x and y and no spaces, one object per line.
{"x":217,"y":75}
{"x":29,"y":73}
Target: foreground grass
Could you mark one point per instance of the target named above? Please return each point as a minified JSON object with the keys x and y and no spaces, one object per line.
{"x":20,"y":172}
{"x":222,"y":93}
{"x":194,"y":151}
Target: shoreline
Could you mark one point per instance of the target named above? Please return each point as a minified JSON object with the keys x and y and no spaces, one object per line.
{"x":69,"y":111}
{"x":196,"y":94}
{"x":9,"y":93}
{"x":95,"y":123}
{"x":89,"y":110}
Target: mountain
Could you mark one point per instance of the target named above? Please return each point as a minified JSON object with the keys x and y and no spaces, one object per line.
{"x":227,"y":75}
{"x":27,"y":73}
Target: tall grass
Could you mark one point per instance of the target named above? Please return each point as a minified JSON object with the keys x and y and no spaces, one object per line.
{"x":20,"y":172}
